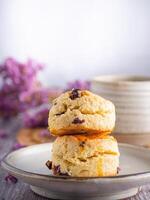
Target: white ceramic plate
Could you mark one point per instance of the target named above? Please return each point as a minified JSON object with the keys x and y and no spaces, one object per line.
{"x":28,"y":164}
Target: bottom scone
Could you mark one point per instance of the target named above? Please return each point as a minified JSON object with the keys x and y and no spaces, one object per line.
{"x":85,"y":155}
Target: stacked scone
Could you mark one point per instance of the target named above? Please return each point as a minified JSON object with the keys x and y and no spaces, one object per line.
{"x":82,"y":122}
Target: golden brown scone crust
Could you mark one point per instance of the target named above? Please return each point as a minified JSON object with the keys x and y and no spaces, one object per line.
{"x":85,"y":155}
{"x":81,"y":112}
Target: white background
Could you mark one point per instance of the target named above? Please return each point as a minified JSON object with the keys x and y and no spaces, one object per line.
{"x":77,"y":38}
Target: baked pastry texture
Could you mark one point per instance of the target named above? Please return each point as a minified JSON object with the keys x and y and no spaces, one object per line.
{"x":85,"y":155}
{"x":78,"y":112}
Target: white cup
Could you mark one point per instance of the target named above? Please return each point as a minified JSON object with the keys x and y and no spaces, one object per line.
{"x":131,"y":96}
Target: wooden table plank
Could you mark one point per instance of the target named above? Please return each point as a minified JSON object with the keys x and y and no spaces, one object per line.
{"x":20,"y":190}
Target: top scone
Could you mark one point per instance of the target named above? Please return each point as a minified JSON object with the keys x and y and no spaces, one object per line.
{"x":77,"y":112}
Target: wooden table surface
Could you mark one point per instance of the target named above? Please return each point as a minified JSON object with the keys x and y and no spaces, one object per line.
{"x":20,"y":190}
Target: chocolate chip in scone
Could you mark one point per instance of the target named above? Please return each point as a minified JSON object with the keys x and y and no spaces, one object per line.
{"x":118,"y":170}
{"x":56,"y":169}
{"x":49,"y":164}
{"x":78,"y":121}
{"x":74,"y":94}
{"x":64,"y":174}
{"x":82,"y":144}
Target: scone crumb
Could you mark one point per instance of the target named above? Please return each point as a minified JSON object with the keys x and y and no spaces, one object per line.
{"x":118,"y":170}
{"x":49,"y":164}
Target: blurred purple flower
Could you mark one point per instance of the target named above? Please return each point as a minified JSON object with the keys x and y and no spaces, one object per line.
{"x":36,"y":119}
{"x":3,"y":134}
{"x":17,"y":146}
{"x":35,"y":97}
{"x":17,"y":78}
{"x":77,"y":84}
{"x":39,"y":96}
{"x":11,"y":179}
{"x":44,"y":133}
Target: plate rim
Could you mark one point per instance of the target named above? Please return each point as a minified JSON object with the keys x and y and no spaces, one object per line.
{"x":14,"y":170}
